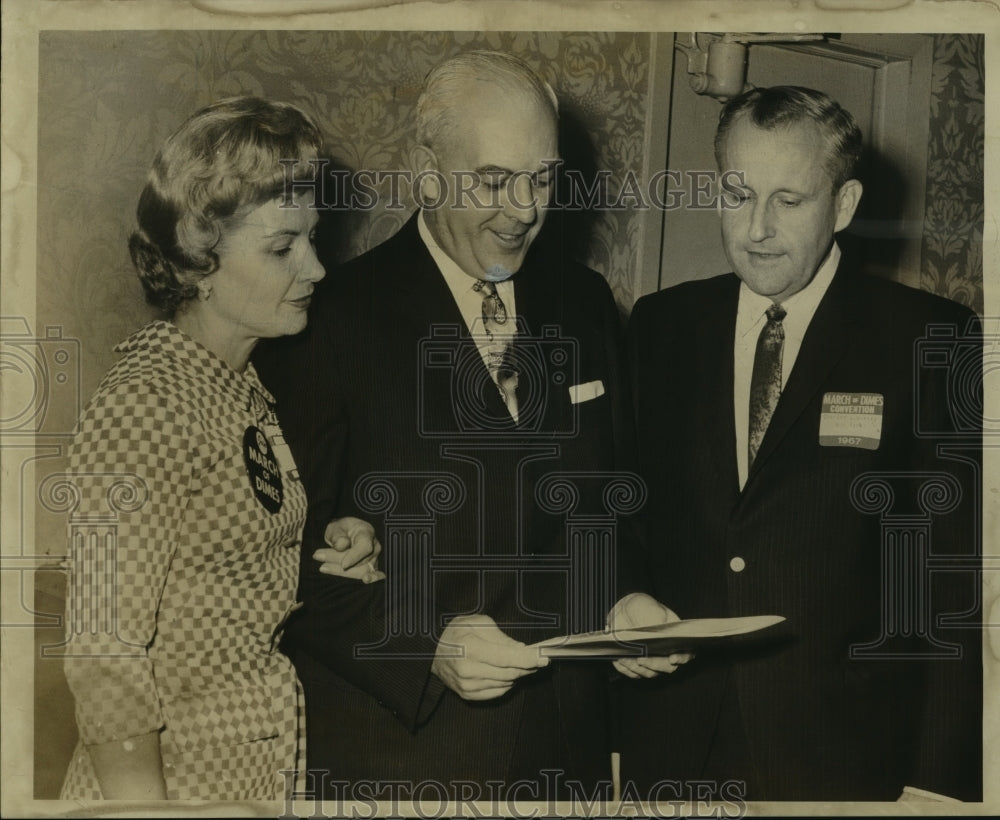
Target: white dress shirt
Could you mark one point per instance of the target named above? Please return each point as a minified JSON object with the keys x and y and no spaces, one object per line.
{"x":750,"y":320}
{"x":470,"y":301}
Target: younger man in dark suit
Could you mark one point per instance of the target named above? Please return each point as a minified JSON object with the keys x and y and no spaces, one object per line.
{"x":781,"y":409}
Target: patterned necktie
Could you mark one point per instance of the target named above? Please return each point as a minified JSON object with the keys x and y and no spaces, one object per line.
{"x":500,"y":360}
{"x":765,"y":383}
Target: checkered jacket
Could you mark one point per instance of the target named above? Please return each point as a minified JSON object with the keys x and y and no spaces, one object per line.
{"x":183,"y":579}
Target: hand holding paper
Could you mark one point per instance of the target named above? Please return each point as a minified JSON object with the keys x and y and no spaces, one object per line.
{"x":478,"y":661}
{"x":667,"y":636}
{"x":640,"y":610}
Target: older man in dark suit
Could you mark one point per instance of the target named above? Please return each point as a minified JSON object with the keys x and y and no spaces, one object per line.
{"x":780,"y":410}
{"x":460,"y":388}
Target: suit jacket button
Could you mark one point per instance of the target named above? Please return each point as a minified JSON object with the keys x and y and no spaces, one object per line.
{"x":737,"y":564}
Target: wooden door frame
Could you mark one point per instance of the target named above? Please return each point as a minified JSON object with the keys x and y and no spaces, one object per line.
{"x":900,"y":122}
{"x":656,"y":150}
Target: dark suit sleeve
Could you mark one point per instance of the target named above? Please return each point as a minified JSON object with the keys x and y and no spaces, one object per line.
{"x":949,"y":745}
{"x":313,"y":416}
{"x":633,"y":566}
{"x":342,"y":624}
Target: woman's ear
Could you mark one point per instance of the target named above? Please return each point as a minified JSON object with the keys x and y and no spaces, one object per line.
{"x":205,"y":287}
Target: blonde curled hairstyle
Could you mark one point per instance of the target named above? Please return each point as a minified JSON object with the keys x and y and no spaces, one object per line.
{"x":227,"y":157}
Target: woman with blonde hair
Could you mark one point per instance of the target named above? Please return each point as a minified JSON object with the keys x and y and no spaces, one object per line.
{"x":184,"y":694}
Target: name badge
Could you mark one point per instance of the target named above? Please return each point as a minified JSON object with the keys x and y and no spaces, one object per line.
{"x":262,"y":469}
{"x":851,"y":420}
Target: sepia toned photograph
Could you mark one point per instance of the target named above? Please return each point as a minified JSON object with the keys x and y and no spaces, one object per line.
{"x":499,"y":409}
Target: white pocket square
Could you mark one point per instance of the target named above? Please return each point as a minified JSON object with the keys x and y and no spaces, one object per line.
{"x":586,"y":391}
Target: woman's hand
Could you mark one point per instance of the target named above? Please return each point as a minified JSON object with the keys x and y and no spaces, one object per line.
{"x":352,"y":552}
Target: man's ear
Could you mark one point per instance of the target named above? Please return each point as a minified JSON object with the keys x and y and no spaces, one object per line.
{"x":422,"y":158}
{"x":427,"y":180}
{"x":848,"y":198}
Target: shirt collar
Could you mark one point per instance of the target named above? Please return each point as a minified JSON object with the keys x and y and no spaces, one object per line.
{"x":169,"y":340}
{"x":456,"y":278}
{"x":800,"y":306}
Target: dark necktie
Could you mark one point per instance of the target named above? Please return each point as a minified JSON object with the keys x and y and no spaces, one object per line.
{"x":765,"y":383}
{"x":500,"y":359}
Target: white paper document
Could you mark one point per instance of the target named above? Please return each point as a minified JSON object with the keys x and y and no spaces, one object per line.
{"x":662,"y":639}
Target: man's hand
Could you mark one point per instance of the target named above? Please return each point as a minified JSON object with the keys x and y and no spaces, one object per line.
{"x":636,"y":610}
{"x":479,"y":662}
{"x":353,"y":551}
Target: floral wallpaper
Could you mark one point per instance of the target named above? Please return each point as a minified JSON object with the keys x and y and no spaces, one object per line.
{"x":108,"y":99}
{"x":953,"y":224}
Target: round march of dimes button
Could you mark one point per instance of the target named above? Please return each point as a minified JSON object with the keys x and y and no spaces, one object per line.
{"x":262,"y":469}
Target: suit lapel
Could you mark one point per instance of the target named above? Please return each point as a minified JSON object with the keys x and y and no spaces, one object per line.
{"x":827,"y":339}
{"x":537,"y":304}
{"x":713,"y":343}
{"x":423,"y":297}
{"x":419,"y":293}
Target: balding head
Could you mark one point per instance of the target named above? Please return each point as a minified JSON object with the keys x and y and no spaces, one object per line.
{"x":467,"y":76}
{"x":487,"y":147}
